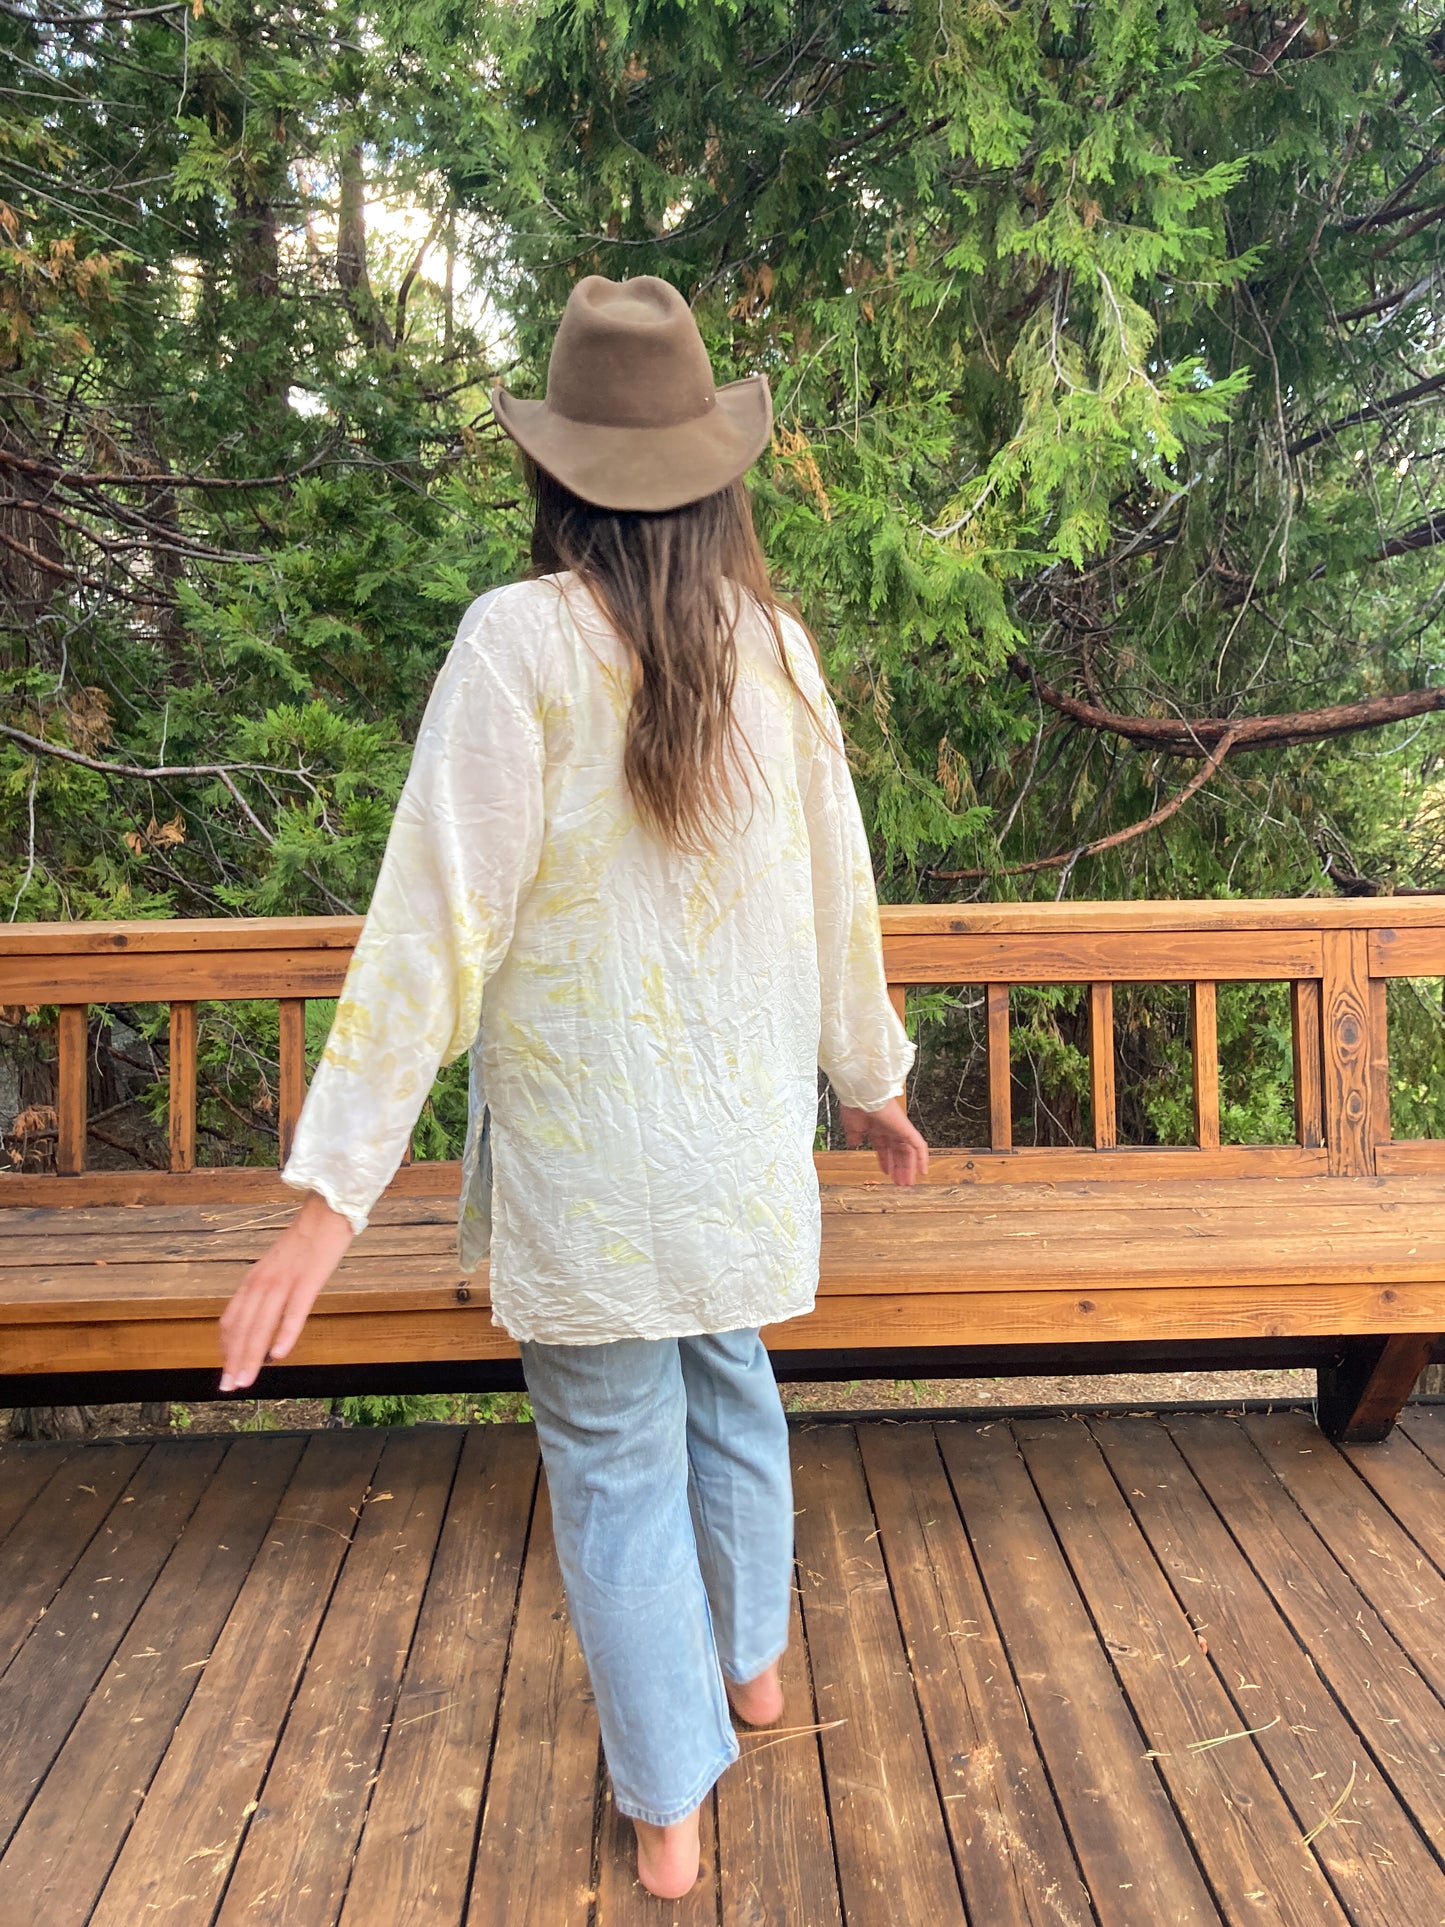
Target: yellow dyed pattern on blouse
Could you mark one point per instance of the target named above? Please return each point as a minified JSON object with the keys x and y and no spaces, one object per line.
{"x":646,"y":1026}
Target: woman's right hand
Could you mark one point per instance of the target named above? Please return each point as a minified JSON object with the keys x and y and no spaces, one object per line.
{"x":901,"y":1150}
{"x":268,"y":1309}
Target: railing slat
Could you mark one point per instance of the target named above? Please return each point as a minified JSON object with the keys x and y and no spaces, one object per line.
{"x":1309,"y":1100}
{"x":1379,"y":1060}
{"x":181,"y":1106}
{"x":1204,"y":1050}
{"x":293,"y":1069}
{"x":70,"y":1106}
{"x":1101,"y":1066}
{"x":1000,"y":1070}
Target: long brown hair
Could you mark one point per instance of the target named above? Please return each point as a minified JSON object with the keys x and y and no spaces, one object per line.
{"x":663,"y":579}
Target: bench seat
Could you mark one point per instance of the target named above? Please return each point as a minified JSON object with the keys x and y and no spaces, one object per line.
{"x":137,"y":1288}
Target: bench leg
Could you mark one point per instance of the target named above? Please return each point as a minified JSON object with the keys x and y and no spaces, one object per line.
{"x":1360,"y":1398}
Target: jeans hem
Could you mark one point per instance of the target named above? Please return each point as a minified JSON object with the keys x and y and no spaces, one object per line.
{"x":658,"y":1817}
{"x":742,"y":1679}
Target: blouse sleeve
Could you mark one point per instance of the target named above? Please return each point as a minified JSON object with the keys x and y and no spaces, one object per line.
{"x":863,"y":1047}
{"x":463,"y":850}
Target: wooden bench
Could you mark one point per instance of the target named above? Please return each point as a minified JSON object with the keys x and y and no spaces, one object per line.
{"x":1326,"y":1251}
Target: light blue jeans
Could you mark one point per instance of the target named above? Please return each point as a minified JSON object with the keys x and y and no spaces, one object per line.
{"x":672,"y":1506}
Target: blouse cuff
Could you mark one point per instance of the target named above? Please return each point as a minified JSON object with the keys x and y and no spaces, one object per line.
{"x":300,"y":1180}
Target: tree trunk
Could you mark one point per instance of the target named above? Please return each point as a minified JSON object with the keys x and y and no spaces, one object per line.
{"x":52,"y":1421}
{"x":1432,"y":1380}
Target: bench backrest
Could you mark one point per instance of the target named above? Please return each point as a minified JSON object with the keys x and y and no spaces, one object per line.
{"x":1336,"y":957}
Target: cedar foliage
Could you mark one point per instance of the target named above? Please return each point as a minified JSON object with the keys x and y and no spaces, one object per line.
{"x":1105,"y":342}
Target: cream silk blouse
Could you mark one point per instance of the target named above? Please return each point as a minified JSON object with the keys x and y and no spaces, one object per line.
{"x":645,"y":1027}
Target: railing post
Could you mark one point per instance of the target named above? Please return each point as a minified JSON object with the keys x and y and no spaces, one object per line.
{"x":70,"y":1104}
{"x":1345,"y":998}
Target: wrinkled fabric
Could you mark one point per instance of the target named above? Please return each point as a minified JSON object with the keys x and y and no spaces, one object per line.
{"x":648,"y":1024}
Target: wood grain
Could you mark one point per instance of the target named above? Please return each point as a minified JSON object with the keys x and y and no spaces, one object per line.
{"x":1135,"y":1856}
{"x":59,"y":1859}
{"x":1379,"y":1866}
{"x":1000,"y":1069}
{"x":1349,"y":1132}
{"x":1255,"y":1867}
{"x":1204,"y":1063}
{"x":181,"y":1069}
{"x":1017,"y":1866}
{"x":775,"y":1852}
{"x":545,"y":1762}
{"x":1307,"y":1038}
{"x":73,"y":1039}
{"x":1103,"y":1104}
{"x":433,"y":1770}
{"x":1398,"y":1718}
{"x":177,"y":1857}
{"x":295,"y":1859}
{"x":292,"y":1092}
{"x":894,"y":1862}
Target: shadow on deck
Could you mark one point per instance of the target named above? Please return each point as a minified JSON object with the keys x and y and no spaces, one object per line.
{"x":1137,"y":1672}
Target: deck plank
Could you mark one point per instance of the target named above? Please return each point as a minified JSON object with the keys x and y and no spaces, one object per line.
{"x":544,"y":1770}
{"x":374,"y":1713}
{"x":1136,"y":1858}
{"x":1424,"y":1426}
{"x":775,"y":1841}
{"x":1409,"y":1485}
{"x":25,"y":1471}
{"x":295,"y":1861}
{"x":894,"y":1858}
{"x":1243,"y":1832}
{"x":408,"y":1875}
{"x":1380,"y":1867}
{"x":178,"y":1856}
{"x":59,"y":1858}
{"x":1017,"y":1865}
{"x":1380,"y":1556}
{"x":47,"y":1684}
{"x":1400,"y":1721}
{"x":50,"y":1537}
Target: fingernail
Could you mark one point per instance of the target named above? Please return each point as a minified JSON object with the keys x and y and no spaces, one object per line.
{"x":225,"y":1381}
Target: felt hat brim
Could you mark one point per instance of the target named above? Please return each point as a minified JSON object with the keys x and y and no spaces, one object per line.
{"x":645,"y":469}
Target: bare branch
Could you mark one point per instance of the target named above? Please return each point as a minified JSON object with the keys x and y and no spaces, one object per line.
{"x":1372,"y":412}
{"x":1111,"y":842}
{"x":1189,"y":736}
{"x":220,"y":771}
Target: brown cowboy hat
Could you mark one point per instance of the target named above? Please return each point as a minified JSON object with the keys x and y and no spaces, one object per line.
{"x":632,"y":419}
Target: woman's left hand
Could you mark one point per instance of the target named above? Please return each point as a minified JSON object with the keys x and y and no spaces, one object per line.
{"x":270,"y":1305}
{"x":901,"y":1151}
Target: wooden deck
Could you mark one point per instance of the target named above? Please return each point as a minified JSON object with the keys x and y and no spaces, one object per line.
{"x":1135,"y":1671}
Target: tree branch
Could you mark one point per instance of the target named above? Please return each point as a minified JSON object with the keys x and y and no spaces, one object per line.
{"x":221,"y":772}
{"x":1371,"y":412}
{"x":1111,"y":842}
{"x":1190,"y":736}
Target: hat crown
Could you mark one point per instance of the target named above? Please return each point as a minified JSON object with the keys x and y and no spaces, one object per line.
{"x":629,"y":355}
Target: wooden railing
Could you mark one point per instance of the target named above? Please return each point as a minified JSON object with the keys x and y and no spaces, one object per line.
{"x":1336,"y":957}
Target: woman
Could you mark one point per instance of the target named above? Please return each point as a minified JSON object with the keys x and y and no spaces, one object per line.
{"x":628,"y":872}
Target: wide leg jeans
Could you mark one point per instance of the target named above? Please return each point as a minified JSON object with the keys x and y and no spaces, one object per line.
{"x":672,"y":1506}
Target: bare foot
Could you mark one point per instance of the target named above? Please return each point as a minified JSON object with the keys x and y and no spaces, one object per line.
{"x":669,"y":1858}
{"x":758,"y":1702}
